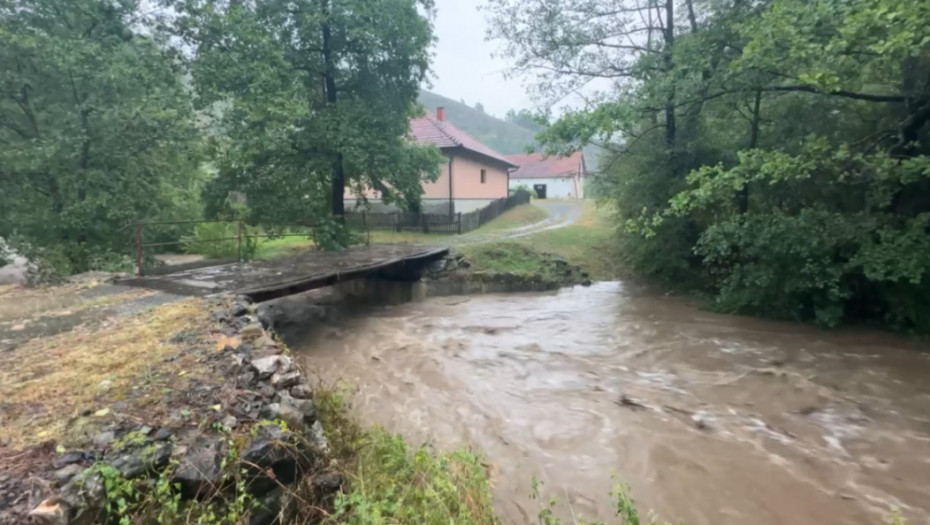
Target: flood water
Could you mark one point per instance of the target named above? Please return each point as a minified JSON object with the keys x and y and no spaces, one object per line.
{"x":710,"y":419}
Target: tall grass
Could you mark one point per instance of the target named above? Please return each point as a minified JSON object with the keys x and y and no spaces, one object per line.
{"x":391,"y":482}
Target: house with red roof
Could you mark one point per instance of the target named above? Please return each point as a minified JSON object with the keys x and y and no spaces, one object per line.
{"x":471,"y":176}
{"x":550,"y":177}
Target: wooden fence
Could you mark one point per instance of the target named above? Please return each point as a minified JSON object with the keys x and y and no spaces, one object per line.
{"x":447,"y":223}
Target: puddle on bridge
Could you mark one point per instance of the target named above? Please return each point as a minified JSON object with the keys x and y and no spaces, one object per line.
{"x":711,"y":419}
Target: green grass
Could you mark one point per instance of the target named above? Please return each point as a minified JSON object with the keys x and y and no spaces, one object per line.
{"x":523,"y":215}
{"x":282,"y":247}
{"x":391,"y":482}
{"x":519,"y":260}
{"x":589,"y":243}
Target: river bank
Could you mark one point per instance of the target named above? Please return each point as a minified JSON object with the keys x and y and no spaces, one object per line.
{"x":711,"y":419}
{"x":127,"y":404}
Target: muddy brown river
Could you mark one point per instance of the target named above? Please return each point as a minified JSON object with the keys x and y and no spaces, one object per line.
{"x":710,"y":419}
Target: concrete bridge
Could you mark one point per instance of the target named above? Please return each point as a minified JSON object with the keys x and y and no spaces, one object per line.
{"x":265,"y":280}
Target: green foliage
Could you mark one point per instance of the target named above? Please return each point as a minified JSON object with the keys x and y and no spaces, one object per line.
{"x":96,"y":130}
{"x":388,"y":482}
{"x":804,"y":126}
{"x":219,"y":240}
{"x":524,"y":188}
{"x":159,"y":500}
{"x":821,"y":240}
{"x":520,"y":260}
{"x":307,"y":95}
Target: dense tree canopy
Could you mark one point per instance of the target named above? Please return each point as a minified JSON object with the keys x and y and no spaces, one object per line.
{"x":774,"y":154}
{"x":311,"y":97}
{"x":96,"y":129}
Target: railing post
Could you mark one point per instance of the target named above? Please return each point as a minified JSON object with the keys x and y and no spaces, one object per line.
{"x":139,"y":249}
{"x":367,"y":229}
{"x":239,"y":241}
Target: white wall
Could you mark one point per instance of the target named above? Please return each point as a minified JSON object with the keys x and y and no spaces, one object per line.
{"x":561,"y":188}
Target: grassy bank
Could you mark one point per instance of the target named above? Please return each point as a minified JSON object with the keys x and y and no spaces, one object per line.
{"x":388,"y":481}
{"x":588,"y":243}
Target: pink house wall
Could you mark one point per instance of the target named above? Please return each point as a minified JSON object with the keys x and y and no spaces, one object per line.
{"x":466,"y":182}
{"x":440,"y":188}
{"x":466,"y":179}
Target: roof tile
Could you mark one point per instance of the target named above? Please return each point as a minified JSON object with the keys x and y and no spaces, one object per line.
{"x":431,"y":130}
{"x":538,"y":166}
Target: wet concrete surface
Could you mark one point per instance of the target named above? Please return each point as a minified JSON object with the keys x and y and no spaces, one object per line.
{"x":294,"y":274}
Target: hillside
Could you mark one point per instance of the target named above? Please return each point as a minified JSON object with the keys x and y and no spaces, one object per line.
{"x":506,"y":137}
{"x":503,"y":136}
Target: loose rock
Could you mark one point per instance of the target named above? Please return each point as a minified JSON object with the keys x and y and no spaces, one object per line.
{"x":266,"y":366}
{"x":286,"y":380}
{"x":199,"y":469}
{"x":251,"y":331}
{"x":67,"y":459}
{"x":103,"y":439}
{"x":301,"y":391}
{"x":65,"y":474}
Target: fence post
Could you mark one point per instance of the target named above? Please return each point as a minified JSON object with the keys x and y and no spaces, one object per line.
{"x":367,"y":229}
{"x":239,"y":241}
{"x":460,"y":223}
{"x":139,"y":249}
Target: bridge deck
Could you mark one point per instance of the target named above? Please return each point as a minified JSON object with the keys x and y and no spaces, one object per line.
{"x":264,"y":280}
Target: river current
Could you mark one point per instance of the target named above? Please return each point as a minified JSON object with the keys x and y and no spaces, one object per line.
{"x":710,"y":419}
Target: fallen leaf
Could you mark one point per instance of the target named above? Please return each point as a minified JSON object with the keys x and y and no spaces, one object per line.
{"x":102,"y":412}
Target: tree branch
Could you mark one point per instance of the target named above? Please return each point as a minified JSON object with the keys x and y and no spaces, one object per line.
{"x":841,"y":93}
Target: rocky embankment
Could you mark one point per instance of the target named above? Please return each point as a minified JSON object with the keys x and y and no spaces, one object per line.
{"x":254,"y":447}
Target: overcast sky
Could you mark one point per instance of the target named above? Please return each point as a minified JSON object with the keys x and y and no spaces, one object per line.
{"x":463,"y":67}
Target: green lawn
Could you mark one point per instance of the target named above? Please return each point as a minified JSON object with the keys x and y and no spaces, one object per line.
{"x":282,"y":247}
{"x":589,"y":243}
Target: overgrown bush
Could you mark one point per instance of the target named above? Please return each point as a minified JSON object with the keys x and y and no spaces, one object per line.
{"x":219,"y":240}
{"x":389,"y":482}
{"x":828,"y":235}
{"x":525,"y":188}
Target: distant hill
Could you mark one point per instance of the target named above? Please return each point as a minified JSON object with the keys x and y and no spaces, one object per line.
{"x":503,"y":136}
{"x":506,"y":137}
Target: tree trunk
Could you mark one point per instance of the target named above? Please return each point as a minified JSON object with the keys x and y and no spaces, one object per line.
{"x":743,"y":196}
{"x":670,"y":130}
{"x":691,"y":17}
{"x":329,"y":85}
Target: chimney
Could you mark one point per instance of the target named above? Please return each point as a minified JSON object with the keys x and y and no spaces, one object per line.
{"x":441,"y":113}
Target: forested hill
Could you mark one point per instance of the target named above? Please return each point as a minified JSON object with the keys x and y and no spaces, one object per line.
{"x":505,"y":137}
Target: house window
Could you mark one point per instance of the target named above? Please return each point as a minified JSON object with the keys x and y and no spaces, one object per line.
{"x":484,"y":176}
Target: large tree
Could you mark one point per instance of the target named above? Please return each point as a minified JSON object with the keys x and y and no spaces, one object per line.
{"x":96,"y":128}
{"x":312,"y":97}
{"x":774,"y":154}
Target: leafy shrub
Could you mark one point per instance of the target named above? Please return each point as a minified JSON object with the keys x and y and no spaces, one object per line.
{"x":828,"y":236}
{"x":389,"y":482}
{"x":523,"y":187}
{"x":218,"y":240}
